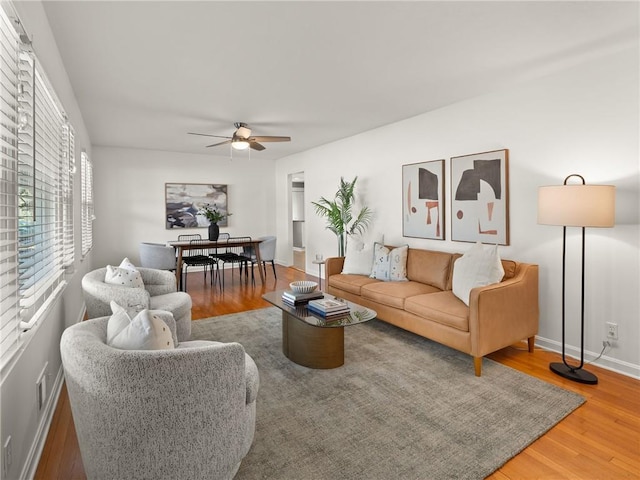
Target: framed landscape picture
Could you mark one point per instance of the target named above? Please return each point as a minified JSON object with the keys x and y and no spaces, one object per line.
{"x":423,"y":200}
{"x":184,"y":200}
{"x":480,"y":197}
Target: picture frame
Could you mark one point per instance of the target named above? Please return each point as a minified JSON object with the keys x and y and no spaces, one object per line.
{"x":480,"y":197}
{"x":184,"y":200}
{"x":423,"y":201}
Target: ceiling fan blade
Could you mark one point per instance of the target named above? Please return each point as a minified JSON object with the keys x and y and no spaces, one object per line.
{"x":256,"y":145}
{"x":206,"y":135}
{"x":270,"y":139}
{"x":221,"y":143}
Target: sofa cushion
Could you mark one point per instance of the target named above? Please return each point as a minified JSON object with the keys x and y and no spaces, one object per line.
{"x":389,"y":265}
{"x":350,"y":283}
{"x":476,"y":268}
{"x":427,"y":266}
{"x":440,"y":307}
{"x":394,"y":294}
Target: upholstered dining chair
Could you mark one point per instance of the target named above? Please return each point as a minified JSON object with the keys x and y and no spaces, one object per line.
{"x":187,"y":412}
{"x":159,"y":293}
{"x":157,"y":255}
{"x":267,"y":249}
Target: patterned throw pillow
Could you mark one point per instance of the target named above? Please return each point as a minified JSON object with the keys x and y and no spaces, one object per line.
{"x":146,"y":331}
{"x":390,"y":265}
{"x":476,"y":268}
{"x":126,"y":275}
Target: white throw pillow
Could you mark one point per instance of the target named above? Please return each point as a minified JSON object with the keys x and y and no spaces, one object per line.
{"x":146,"y":331}
{"x":359,"y":257}
{"x":389,"y":265}
{"x":126,"y":274}
{"x":358,"y":261}
{"x":476,"y":268}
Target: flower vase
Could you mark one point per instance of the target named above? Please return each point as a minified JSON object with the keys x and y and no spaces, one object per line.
{"x":214,"y":232}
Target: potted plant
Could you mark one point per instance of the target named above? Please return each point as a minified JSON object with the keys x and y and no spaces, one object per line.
{"x":214,"y":216}
{"x":340,"y":219}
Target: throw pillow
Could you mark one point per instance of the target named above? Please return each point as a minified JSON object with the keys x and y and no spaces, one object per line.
{"x":389,"y":265}
{"x":359,"y":256}
{"x":359,"y":259}
{"x":476,"y":268}
{"x":126,"y":274}
{"x":146,"y":331}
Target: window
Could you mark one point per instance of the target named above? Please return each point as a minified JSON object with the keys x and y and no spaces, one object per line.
{"x":87,"y":203}
{"x":36,"y":188}
{"x":9,"y":300}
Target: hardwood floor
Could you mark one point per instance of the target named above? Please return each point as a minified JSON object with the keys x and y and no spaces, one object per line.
{"x":598,"y":441}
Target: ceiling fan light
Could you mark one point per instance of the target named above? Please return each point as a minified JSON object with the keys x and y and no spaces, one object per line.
{"x":240,"y":144}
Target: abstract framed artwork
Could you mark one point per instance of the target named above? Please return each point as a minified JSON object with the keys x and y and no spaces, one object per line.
{"x":480,"y":197}
{"x":184,"y":200}
{"x":423,"y":200}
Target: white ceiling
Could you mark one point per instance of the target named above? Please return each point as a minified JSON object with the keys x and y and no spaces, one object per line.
{"x":146,"y":73}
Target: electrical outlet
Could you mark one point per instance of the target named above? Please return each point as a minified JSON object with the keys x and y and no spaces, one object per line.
{"x":7,"y":456}
{"x":612,"y":331}
{"x":41,"y":388}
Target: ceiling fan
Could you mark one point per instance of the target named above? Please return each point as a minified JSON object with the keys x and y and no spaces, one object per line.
{"x":242,"y":139}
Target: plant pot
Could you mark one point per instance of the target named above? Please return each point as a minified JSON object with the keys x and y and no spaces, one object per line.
{"x":214,"y":232}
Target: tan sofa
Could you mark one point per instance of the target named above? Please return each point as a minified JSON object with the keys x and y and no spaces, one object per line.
{"x":498,"y":315}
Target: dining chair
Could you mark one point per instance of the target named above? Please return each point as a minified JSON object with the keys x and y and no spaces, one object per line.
{"x":157,"y":255}
{"x":267,"y":248}
{"x":236,"y":255}
{"x":217,"y":253}
{"x":199,"y":257}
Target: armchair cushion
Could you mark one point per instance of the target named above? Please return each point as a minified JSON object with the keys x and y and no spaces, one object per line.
{"x":146,"y":331}
{"x":124,"y":277}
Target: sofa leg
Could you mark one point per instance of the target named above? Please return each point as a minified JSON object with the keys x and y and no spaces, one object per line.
{"x":531,"y":342}
{"x":477,"y":363}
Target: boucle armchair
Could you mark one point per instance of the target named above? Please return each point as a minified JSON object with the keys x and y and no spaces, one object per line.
{"x":159,"y":293}
{"x":184,"y":413}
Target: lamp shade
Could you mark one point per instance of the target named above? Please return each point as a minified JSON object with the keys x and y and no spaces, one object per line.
{"x":577,"y":205}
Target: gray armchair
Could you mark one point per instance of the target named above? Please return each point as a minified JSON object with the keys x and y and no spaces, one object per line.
{"x":162,"y":414}
{"x":159,"y":293}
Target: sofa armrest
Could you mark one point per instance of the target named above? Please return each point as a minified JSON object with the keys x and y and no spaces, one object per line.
{"x":333,"y":266}
{"x":504,"y":313}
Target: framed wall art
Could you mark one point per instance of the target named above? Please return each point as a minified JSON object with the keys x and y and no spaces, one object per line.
{"x":184,"y":200}
{"x":480,"y":197}
{"x":423,"y":200}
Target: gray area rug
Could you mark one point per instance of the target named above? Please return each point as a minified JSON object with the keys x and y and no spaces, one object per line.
{"x":401,"y":407}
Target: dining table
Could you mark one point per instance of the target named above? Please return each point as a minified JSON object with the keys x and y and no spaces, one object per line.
{"x":184,"y":245}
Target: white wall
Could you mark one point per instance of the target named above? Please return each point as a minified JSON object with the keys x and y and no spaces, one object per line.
{"x":583,"y":119}
{"x":20,"y":418}
{"x":130,"y":196}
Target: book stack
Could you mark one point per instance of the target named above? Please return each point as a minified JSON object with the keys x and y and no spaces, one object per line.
{"x":294,"y":299}
{"x":328,"y":308}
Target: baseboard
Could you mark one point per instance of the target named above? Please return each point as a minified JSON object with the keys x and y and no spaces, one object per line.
{"x":613,"y":364}
{"x":35,"y":452}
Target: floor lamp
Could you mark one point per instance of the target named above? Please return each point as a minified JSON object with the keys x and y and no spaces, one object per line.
{"x":575,"y":205}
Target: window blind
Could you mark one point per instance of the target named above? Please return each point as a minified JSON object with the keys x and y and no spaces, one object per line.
{"x":9,"y":118}
{"x":87,"y":202}
{"x":36,"y":189}
{"x":68,"y":170}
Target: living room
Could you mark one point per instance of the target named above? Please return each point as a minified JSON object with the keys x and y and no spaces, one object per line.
{"x":575,"y":112}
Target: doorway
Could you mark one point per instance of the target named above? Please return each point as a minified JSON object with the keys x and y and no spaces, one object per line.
{"x":297,"y":220}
